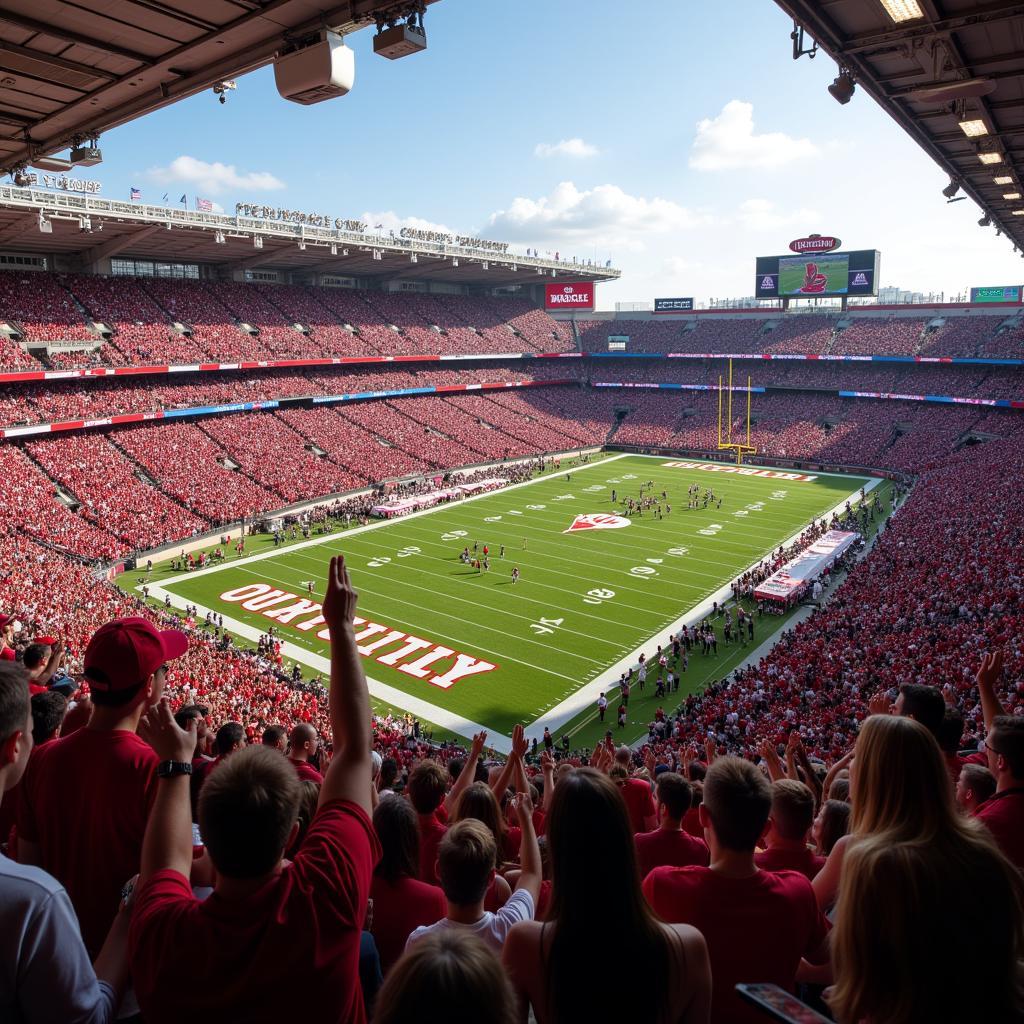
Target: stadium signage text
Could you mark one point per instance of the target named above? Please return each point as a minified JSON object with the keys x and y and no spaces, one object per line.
{"x":315,"y":220}
{"x":673,"y":305}
{"x":65,"y":184}
{"x":815,"y":243}
{"x":569,"y":296}
{"x":446,"y":239}
{"x":373,"y":639}
{"x":774,"y":474}
{"x":598,"y":521}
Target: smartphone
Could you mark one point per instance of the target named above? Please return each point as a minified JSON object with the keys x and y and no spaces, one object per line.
{"x":781,"y":1005}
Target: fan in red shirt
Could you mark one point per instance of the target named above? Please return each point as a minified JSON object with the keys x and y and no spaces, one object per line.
{"x":758,"y":924}
{"x":789,"y":827}
{"x":1003,"y":814}
{"x":643,"y":815}
{"x":268,"y":930}
{"x":669,"y":845}
{"x":401,"y":902}
{"x":302,"y":745}
{"x":86,"y":802}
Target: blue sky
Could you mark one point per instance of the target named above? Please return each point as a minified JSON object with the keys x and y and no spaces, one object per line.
{"x":679,"y":147}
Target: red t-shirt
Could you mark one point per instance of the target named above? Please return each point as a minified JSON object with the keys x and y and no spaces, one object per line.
{"x":431,"y":834}
{"x":1003,"y":815}
{"x":400,"y":908}
{"x":756,"y":928}
{"x":691,"y":823}
{"x":803,"y":860}
{"x":639,"y":802}
{"x":86,"y":802}
{"x":307,"y":773}
{"x":543,"y":901}
{"x":669,"y":848}
{"x":251,"y":958}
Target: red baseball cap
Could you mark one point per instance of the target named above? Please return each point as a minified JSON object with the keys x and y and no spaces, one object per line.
{"x":4,"y":619}
{"x":126,"y":652}
{"x":48,"y":641}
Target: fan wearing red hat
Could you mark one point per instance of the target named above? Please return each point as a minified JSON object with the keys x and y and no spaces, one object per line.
{"x":6,"y":638}
{"x":271,"y":932}
{"x":42,"y":658}
{"x":87,"y":796}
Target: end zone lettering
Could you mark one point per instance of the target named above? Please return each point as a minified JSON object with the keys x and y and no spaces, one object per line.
{"x":708,"y":467}
{"x":284,"y":608}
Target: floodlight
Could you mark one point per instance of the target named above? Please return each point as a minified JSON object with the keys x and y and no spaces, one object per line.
{"x":843,"y":87}
{"x":990,"y":157}
{"x":972,"y":129}
{"x":951,"y":189}
{"x":902,"y":10}
{"x":985,"y":221}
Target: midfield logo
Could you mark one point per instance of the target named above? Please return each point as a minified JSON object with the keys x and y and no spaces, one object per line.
{"x":598,"y":521}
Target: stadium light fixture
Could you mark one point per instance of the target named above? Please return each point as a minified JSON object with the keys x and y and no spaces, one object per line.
{"x":455,"y":262}
{"x":985,"y":221}
{"x":45,"y":224}
{"x":302,"y":246}
{"x":1018,"y":213}
{"x":1011,"y":195}
{"x":219,"y":238}
{"x":257,"y":241}
{"x":902,"y":10}
{"x":413,"y":258}
{"x":951,"y":189}
{"x":843,"y":87}
{"x":972,"y":129}
{"x":1003,"y":179}
{"x":990,"y":157}
{"x":334,"y":250}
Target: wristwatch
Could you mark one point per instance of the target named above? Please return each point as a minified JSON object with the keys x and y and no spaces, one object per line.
{"x":168,"y":769}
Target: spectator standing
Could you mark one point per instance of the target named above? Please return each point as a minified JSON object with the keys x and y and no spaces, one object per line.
{"x":302,"y":745}
{"x":789,"y":827}
{"x":86,"y":802}
{"x":669,"y":845}
{"x":758,"y":924}
{"x":269,"y":931}
{"x":45,"y":973}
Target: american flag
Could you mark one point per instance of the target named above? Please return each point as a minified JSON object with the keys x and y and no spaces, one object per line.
{"x":204,"y":205}
{"x":136,"y":195}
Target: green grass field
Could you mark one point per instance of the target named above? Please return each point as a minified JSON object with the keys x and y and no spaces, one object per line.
{"x":793,"y":273}
{"x":463,"y":648}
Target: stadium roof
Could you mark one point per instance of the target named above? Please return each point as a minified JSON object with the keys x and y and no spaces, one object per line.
{"x":70,"y":69}
{"x":84,"y":229}
{"x":949,"y":62}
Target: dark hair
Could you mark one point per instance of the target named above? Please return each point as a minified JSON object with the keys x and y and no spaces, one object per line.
{"x":1008,"y":737}
{"x":229,"y":735}
{"x":951,"y":731}
{"x":115,"y":698}
{"x":980,"y":781}
{"x":428,"y":784}
{"x":394,"y":821}
{"x":478,"y":801}
{"x":840,"y":789}
{"x":273,"y":735}
{"x":246,"y":811}
{"x":388,"y":772}
{"x":738,"y":800}
{"x":924,"y":704}
{"x":449,"y":976}
{"x":186,"y":714}
{"x":48,"y":711}
{"x":14,"y":699}
{"x":590,"y":840}
{"x":675,"y":793}
{"x":455,"y":766}
{"x":835,"y":823}
{"x":34,"y":655}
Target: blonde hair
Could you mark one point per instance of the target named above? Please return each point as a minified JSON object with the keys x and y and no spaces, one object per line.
{"x":930,"y":915}
{"x":900,"y":783}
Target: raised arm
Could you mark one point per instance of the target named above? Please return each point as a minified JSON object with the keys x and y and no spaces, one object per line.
{"x":167,"y":845}
{"x":519,"y":746}
{"x":547,"y":764}
{"x":468,"y":773}
{"x":56,"y":653}
{"x":988,"y":675}
{"x":810,"y":776}
{"x":349,"y":776}
{"x":843,"y":762}
{"x":531,"y":873}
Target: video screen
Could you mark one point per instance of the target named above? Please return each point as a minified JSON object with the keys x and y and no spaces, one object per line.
{"x":814,"y":275}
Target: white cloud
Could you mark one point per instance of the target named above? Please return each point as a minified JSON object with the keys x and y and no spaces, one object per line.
{"x":567,"y":147}
{"x":763,"y":215}
{"x":213,"y":178}
{"x":390,"y":221}
{"x":605,"y":215}
{"x":729,"y":142}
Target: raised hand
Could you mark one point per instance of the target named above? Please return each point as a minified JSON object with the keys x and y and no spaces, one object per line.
{"x":989,"y":671}
{"x":478,"y":746}
{"x":880,"y":704}
{"x":170,"y":742}
{"x":519,"y":742}
{"x":522,"y":805}
{"x":339,"y":607}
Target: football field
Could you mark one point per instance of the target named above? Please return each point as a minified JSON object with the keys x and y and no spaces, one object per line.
{"x":466,"y":648}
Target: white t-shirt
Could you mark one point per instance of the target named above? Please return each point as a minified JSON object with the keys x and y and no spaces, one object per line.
{"x":492,"y":928}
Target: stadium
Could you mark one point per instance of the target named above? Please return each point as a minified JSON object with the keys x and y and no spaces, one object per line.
{"x":691,"y":624}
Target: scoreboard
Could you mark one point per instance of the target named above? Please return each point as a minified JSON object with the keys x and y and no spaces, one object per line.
{"x":824,"y":276}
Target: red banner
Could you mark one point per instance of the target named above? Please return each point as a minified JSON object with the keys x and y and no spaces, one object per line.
{"x":579,"y":295}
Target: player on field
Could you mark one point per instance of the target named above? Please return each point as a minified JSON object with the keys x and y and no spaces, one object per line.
{"x":515,"y":574}
{"x":501,"y":551}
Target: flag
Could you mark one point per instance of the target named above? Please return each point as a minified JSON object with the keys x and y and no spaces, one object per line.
{"x":165,"y":197}
{"x":377,"y":227}
{"x":136,"y":195}
{"x":204,"y":205}
{"x":183,"y":201}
